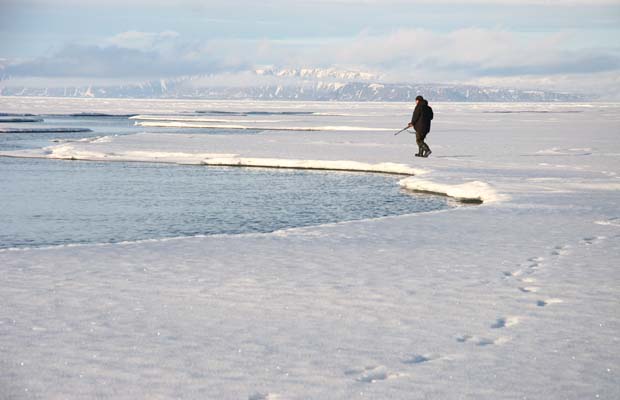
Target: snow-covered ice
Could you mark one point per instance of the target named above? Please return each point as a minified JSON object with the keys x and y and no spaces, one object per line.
{"x":516,"y":298}
{"x":309,"y":123}
{"x":179,"y":124}
{"x":19,"y":119}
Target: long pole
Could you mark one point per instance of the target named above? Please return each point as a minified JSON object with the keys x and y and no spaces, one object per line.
{"x":404,"y":129}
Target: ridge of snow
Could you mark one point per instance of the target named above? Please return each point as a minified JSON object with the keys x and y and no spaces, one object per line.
{"x":192,"y":119}
{"x":336,"y":165}
{"x":177,"y":124}
{"x":474,"y":191}
{"x":69,"y":151}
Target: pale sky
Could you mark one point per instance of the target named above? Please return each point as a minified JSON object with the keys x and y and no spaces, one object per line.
{"x":567,"y":45}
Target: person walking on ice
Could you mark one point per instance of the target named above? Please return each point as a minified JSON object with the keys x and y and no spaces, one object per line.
{"x":421,"y":122}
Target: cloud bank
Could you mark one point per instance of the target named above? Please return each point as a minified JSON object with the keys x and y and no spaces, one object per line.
{"x":403,"y":55}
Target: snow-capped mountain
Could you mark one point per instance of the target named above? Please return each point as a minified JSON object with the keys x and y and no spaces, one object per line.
{"x":319,"y":74}
{"x":291,"y":84}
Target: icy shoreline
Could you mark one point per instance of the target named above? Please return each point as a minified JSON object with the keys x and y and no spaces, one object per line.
{"x":473,"y":192}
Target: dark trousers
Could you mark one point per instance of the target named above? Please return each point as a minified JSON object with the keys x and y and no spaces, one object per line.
{"x":419,"y":139}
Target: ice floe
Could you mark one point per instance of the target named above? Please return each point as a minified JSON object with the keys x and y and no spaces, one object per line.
{"x":310,"y":128}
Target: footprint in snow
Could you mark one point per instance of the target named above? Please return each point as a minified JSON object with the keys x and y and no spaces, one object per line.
{"x":263,"y":396}
{"x":615,"y":221}
{"x":376,"y":374}
{"x":481,"y":341}
{"x":534,"y":262}
{"x":516,"y":274}
{"x":544,"y":303}
{"x":511,"y":274}
{"x":592,"y":240}
{"x":419,"y":359}
{"x":372,"y":373}
{"x":505,"y":322}
{"x":560,"y":251}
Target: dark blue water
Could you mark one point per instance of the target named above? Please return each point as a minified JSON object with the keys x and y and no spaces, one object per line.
{"x":52,"y":202}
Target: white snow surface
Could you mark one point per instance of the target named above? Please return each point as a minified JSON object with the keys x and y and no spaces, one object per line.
{"x":198,"y":124}
{"x":193,"y":118}
{"x":469,"y":191}
{"x":516,"y":298}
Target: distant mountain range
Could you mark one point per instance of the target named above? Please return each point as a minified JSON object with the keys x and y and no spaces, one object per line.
{"x":310,"y":84}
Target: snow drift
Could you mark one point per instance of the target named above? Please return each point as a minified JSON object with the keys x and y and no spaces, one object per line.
{"x":470,"y":192}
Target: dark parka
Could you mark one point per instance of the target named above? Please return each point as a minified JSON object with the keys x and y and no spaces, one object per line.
{"x":422,"y":116}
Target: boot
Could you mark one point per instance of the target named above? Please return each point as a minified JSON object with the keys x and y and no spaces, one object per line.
{"x":427,"y":151}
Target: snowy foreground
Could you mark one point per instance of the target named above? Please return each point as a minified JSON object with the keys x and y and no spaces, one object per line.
{"x":516,"y":298}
